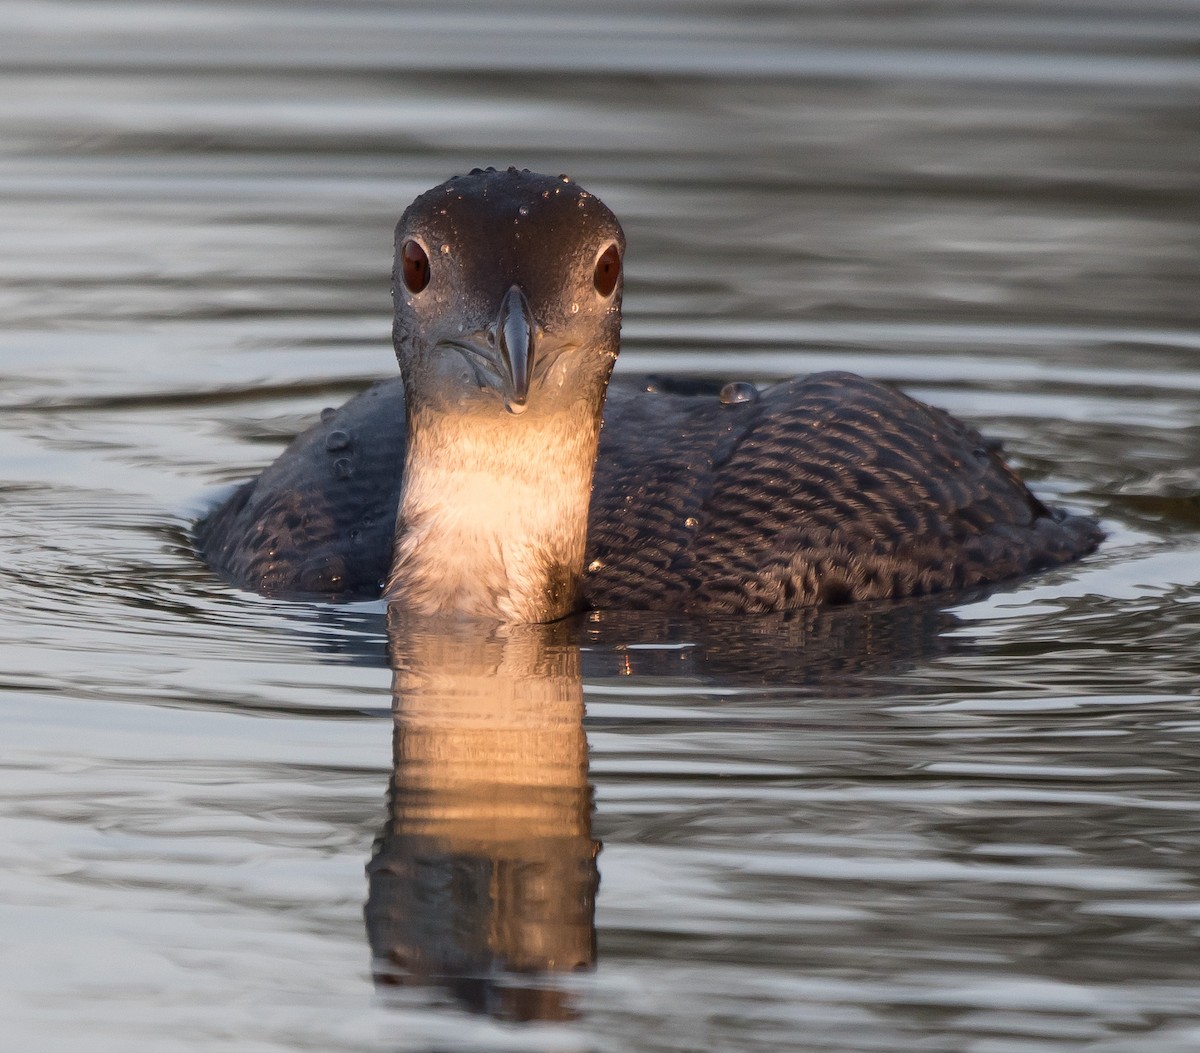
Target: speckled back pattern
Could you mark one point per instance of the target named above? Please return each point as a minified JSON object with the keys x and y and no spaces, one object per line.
{"x":824,"y":489}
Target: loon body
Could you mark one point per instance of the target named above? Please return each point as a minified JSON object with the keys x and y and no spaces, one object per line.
{"x":482,"y":482}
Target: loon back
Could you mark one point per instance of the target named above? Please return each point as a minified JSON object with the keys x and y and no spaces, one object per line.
{"x":823,"y":489}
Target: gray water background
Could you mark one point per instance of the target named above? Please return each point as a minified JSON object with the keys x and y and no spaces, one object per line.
{"x":975,"y":828}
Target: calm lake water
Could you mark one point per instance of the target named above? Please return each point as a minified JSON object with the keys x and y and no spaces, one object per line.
{"x":964,"y":826}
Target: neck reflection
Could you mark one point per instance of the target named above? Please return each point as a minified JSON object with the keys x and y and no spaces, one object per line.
{"x":483,"y":880}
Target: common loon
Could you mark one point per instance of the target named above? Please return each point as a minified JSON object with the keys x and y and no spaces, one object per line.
{"x":494,"y":480}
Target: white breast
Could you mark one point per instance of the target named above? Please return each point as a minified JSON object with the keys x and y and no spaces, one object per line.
{"x":493,"y":514}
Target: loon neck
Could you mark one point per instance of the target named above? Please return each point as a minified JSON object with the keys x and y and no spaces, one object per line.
{"x":493,"y":513}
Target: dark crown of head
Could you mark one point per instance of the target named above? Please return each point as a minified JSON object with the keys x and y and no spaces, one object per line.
{"x":511,"y":170}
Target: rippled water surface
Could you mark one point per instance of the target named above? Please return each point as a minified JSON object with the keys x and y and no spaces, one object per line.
{"x":964,"y":826}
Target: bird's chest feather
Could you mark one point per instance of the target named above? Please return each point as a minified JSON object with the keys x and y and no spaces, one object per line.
{"x":494,"y":525}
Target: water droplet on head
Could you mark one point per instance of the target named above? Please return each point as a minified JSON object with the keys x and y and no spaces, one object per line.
{"x":595,"y":565}
{"x":574,"y":308}
{"x":691,"y":522}
{"x":523,"y":210}
{"x":445,"y":249}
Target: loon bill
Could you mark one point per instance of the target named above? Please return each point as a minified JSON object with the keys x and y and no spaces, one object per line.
{"x":483,"y":483}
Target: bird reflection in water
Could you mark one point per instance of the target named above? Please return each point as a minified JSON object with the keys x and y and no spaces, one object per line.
{"x":484,"y":878}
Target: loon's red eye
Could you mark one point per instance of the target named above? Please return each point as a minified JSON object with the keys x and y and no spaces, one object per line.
{"x":608,"y":270}
{"x":414,"y":266}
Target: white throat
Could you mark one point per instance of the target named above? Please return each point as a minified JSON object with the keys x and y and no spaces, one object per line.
{"x":493,"y":514}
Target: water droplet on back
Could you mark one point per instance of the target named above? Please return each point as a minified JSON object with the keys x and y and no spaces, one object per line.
{"x":738,"y":391}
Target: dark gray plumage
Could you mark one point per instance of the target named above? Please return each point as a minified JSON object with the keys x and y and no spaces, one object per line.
{"x":824,"y":489}
{"x":827,"y":488}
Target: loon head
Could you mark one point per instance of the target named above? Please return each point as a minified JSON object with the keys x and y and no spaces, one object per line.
{"x":507,"y":293}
